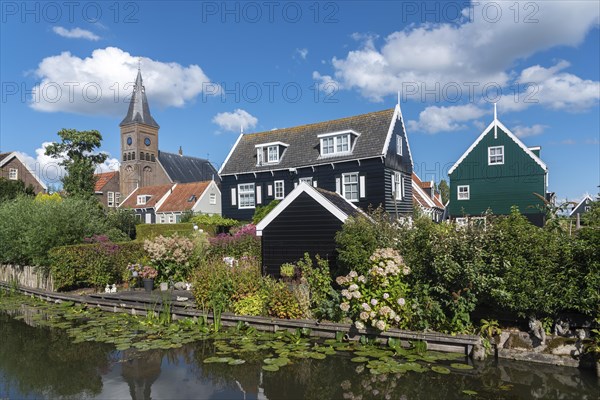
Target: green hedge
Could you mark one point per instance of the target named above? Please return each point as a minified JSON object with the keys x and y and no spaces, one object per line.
{"x":97,"y":264}
{"x":148,"y":231}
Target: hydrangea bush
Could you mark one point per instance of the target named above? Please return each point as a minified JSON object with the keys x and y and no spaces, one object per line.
{"x":380,"y":298}
{"x":171,"y":256}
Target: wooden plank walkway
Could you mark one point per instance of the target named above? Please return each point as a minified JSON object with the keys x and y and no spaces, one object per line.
{"x":139,"y":302}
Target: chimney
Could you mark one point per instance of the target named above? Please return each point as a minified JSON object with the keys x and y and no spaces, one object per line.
{"x":180,"y":151}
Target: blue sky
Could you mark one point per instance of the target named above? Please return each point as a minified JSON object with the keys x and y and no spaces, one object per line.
{"x":211,"y":67}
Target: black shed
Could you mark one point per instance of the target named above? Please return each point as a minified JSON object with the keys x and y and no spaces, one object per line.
{"x":306,"y":221}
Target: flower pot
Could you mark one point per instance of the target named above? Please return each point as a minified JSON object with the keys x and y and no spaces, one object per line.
{"x":148,"y":285}
{"x":164,"y":286}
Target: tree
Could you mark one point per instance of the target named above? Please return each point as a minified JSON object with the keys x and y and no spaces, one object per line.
{"x":10,"y":189}
{"x":76,"y":154}
{"x":444,"y":190}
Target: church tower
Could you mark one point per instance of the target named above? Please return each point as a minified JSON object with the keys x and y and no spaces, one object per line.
{"x":139,"y":143}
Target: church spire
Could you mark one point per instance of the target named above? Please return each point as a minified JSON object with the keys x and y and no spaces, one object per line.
{"x":139,"y":111}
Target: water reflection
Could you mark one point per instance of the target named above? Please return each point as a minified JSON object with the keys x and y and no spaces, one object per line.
{"x":37,"y":362}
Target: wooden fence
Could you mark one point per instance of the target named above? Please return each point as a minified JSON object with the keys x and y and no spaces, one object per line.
{"x":26,"y":276}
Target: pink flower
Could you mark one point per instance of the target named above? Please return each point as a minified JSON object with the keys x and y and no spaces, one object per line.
{"x":386,"y":296}
{"x":374,"y":302}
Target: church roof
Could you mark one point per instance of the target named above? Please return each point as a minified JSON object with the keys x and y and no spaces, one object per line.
{"x":186,"y":169}
{"x":139,"y":111}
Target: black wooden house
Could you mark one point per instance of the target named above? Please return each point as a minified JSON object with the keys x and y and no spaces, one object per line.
{"x":364,"y":158}
{"x":306,"y":221}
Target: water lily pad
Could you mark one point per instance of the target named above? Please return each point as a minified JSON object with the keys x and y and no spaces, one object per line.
{"x":317,"y":356}
{"x":470,"y":392}
{"x":210,"y":360}
{"x":440,"y":370}
{"x":359,"y":359}
{"x":461,"y":366}
{"x":237,"y":361}
{"x":271,"y":367}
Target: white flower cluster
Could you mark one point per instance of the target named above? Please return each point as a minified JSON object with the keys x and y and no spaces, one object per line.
{"x":387,"y":262}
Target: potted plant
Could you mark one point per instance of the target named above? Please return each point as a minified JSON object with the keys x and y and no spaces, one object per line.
{"x":148,"y":275}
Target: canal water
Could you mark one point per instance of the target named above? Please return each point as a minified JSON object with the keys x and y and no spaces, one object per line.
{"x":43,"y":362}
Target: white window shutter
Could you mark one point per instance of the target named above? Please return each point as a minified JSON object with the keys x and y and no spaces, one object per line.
{"x":259,"y":195}
{"x":401,"y":188}
{"x":393,"y":176}
{"x":338,"y":186}
{"x":314,"y":183}
{"x":233,"y":197}
{"x":269,"y":190}
{"x":361,"y":186}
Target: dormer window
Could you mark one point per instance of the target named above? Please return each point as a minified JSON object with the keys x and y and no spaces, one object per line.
{"x":269,"y":153}
{"x":337,"y":143}
{"x":141,"y":200}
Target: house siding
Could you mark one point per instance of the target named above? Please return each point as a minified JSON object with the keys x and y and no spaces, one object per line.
{"x":371,"y":169}
{"x":498,"y":187}
{"x":23,"y":174}
{"x":314,"y":230}
{"x":204,"y":205}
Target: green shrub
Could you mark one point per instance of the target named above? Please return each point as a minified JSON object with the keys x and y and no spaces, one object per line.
{"x":262,"y":211}
{"x":30,"y":228}
{"x":281,"y":301}
{"x":150,"y":231}
{"x":171,"y":256}
{"x":253,"y":304}
{"x":213,"y":224}
{"x":94,"y":265}
{"x":242,"y":241}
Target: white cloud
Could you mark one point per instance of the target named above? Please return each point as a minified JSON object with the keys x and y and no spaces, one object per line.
{"x":473,"y":51}
{"x":302,"y":53}
{"x":102,"y":83}
{"x":522,"y":131}
{"x":561,"y":90}
{"x":236,"y":120}
{"x":50,"y":171}
{"x":75,"y":33}
{"x":436,"y":119}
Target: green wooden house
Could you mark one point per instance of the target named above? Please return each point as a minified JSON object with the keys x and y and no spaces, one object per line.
{"x":497,"y":172}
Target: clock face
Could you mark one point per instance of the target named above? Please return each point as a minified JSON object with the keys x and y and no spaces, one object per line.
{"x":129,"y":141}
{"x":147,"y":141}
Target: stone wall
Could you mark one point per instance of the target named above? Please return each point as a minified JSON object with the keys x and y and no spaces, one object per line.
{"x":26,"y":276}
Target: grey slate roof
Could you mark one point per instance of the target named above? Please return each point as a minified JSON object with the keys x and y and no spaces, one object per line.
{"x":186,"y":169}
{"x":304,"y":145}
{"x":339,"y":202}
{"x":139,"y":111}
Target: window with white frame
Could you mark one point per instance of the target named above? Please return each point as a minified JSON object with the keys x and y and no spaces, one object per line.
{"x":327,"y":146}
{"x":273,"y":154}
{"x":338,"y":144}
{"x":350,"y":186}
{"x":399,"y":145}
{"x":161,"y":219}
{"x":342,"y":143}
{"x":213,"y":198}
{"x":141,"y":199}
{"x":171,"y":219}
{"x":398,"y":186}
{"x":13,"y":174}
{"x":496,"y":155}
{"x":117,"y":199}
{"x":246,"y":195}
{"x":588,"y":208}
{"x":110,"y":199}
{"x":279,"y":189}
{"x":308,"y":180}
{"x":464,"y":192}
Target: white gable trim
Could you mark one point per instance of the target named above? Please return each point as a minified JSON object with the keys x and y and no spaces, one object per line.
{"x":16,"y":155}
{"x":586,"y":197}
{"x":162,"y":199}
{"x":164,"y":170}
{"x":230,"y":153}
{"x":397,"y":115}
{"x":303,"y":187}
{"x":498,"y":124}
{"x":336,"y":133}
{"x":424,"y":195}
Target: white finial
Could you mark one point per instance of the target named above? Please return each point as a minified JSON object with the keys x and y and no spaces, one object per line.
{"x":495,"y":121}
{"x":139,"y":63}
{"x":242,"y":129}
{"x":398,"y":98}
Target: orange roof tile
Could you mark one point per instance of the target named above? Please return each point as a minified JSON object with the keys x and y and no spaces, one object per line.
{"x":178,"y":200}
{"x":155,"y":192}
{"x":103,"y":179}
